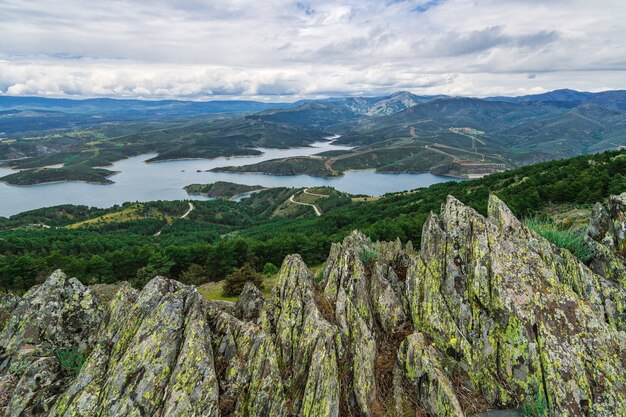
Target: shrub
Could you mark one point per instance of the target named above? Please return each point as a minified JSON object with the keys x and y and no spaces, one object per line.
{"x":319,"y":277}
{"x":368,"y":256}
{"x":270,"y":269}
{"x":71,"y":360}
{"x":236,"y":280}
{"x":566,"y":238}
{"x":194,"y":275}
{"x":535,"y":408}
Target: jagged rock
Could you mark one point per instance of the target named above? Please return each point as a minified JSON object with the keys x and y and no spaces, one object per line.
{"x":419,"y":364}
{"x":8,"y":302}
{"x":306,"y":341}
{"x":154,"y":358}
{"x":617,"y":210}
{"x":347,"y":285}
{"x":250,"y":378}
{"x":607,"y":238}
{"x":486,"y":315}
{"x":59,"y":314}
{"x":520,"y":315}
{"x":600,"y":224}
{"x":250,"y":303}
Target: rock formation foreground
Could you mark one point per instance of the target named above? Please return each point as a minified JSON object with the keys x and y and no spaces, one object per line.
{"x":486,"y":315}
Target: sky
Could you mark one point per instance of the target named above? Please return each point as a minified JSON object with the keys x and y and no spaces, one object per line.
{"x":284,"y":50}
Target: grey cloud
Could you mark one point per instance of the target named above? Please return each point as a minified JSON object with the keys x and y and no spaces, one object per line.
{"x":482,"y":40}
{"x":541,"y":38}
{"x":300,"y":48}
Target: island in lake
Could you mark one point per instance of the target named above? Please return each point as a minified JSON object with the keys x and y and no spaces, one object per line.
{"x":49,"y":175}
{"x":222,"y":189}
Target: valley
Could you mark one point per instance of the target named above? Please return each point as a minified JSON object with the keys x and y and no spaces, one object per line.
{"x":402,"y":133}
{"x":404,"y":208}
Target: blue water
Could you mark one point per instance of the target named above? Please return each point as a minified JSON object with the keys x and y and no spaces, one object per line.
{"x":140,"y":181}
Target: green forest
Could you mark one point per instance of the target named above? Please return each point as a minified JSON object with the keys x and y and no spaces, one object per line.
{"x":220,"y":236}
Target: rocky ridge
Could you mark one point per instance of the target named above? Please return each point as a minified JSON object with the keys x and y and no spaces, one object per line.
{"x":485,"y":315}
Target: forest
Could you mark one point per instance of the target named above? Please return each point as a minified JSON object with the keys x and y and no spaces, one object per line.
{"x":119,"y":243}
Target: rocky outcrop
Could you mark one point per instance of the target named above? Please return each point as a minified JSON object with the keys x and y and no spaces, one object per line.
{"x":153,"y":358}
{"x":486,"y":315}
{"x":250,"y":303}
{"x":51,"y":318}
{"x":522,"y":318}
{"x":607,"y":237}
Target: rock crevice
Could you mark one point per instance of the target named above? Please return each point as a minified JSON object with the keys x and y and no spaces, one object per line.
{"x":486,"y":315}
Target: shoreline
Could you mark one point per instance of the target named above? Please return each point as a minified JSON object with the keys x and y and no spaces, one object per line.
{"x":108,"y":181}
{"x":58,"y":182}
{"x":343,"y":173}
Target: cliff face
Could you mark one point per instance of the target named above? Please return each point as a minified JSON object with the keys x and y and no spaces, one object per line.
{"x":486,"y":315}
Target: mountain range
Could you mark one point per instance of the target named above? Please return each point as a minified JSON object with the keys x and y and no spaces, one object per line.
{"x":402,"y":132}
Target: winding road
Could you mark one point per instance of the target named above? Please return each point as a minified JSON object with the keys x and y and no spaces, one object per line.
{"x":306,"y":191}
{"x":317,"y":211}
{"x":191,"y":207}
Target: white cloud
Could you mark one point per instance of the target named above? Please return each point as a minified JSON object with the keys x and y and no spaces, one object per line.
{"x":284,"y":50}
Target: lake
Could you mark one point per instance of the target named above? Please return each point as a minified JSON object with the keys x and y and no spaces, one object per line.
{"x":140,"y":181}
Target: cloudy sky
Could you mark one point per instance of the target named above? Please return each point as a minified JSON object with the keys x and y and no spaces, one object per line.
{"x":283,"y":50}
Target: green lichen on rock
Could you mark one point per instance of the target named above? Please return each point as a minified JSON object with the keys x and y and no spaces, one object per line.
{"x":519,"y":313}
{"x":59,"y":314}
{"x":419,"y":364}
{"x":487,"y":314}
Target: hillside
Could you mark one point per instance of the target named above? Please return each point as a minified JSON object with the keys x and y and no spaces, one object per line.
{"x":432,"y":136}
{"x":486,"y":315}
{"x":223,"y":235}
{"x":402,"y":132}
{"x":221,"y":189}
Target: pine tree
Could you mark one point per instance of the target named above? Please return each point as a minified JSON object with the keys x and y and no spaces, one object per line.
{"x":194,"y":275}
{"x":236,"y":280}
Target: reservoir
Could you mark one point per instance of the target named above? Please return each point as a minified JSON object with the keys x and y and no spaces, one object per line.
{"x":141,"y":181}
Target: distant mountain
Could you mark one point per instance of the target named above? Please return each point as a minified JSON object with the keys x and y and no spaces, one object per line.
{"x":401,"y":132}
{"x":311,"y":114}
{"x":382,"y":106}
{"x":564,"y":95}
{"x":325,"y":113}
{"x":166,"y":108}
{"x":609,"y":99}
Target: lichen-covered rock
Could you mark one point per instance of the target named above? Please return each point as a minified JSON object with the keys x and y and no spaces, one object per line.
{"x":419,"y":364}
{"x":154,"y":357}
{"x":250,"y":303}
{"x":8,"y":302}
{"x":306,"y":341}
{"x":523,"y":317}
{"x":607,"y":238}
{"x":59,"y":314}
{"x":250,"y":379}
{"x":486,"y":315}
{"x":365,"y":282}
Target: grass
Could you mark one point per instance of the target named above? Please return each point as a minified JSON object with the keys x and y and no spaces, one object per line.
{"x":306,"y":198}
{"x":71,"y":360}
{"x":572,"y":239}
{"x":213,"y":290}
{"x":368,"y":256}
{"x":128,"y":214}
{"x":134,"y":212}
{"x":535,"y":408}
